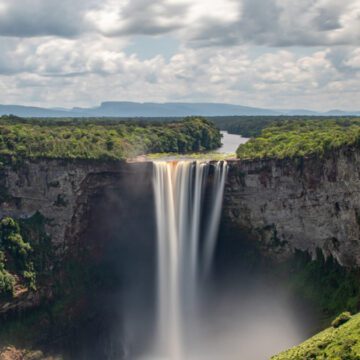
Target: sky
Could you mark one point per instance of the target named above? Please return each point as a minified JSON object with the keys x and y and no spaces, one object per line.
{"x":265,"y":53}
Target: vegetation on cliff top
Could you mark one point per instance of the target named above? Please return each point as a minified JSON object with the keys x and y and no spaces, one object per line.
{"x":301,"y":138}
{"x":103,"y":140}
{"x":340,"y":342}
{"x":251,"y":126}
{"x":246,"y":126}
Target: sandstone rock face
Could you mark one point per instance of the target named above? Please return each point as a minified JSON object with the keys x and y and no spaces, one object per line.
{"x":305,"y":204}
{"x":59,"y":190}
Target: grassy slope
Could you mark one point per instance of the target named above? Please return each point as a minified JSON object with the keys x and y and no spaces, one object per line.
{"x":342,"y":343}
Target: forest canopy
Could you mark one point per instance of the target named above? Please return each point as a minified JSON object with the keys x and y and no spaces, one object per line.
{"x":103,"y":140}
{"x":300,"y":138}
{"x":251,"y":126}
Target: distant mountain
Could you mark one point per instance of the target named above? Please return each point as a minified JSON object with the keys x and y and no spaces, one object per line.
{"x":297,"y":112}
{"x":171,"y":109}
{"x":130,"y":109}
{"x":342,"y":113}
{"x":30,"y":111}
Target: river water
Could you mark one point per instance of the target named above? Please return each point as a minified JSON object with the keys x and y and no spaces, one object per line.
{"x":231,"y":142}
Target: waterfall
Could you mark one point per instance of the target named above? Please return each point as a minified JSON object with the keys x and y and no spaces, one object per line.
{"x":215,"y":213}
{"x":179,"y":189}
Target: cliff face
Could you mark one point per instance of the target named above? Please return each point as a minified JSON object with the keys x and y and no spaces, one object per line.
{"x":305,"y":204}
{"x":285,"y":205}
{"x":60,"y":191}
{"x":65,"y":194}
{"x":292,"y":204}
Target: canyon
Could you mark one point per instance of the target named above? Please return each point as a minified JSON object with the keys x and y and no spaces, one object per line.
{"x":281,"y":206}
{"x":305,"y":203}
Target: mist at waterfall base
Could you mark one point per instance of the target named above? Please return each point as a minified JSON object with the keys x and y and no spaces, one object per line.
{"x":229,"y":308}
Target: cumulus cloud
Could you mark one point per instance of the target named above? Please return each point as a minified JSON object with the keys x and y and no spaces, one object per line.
{"x":65,"y":53}
{"x":284,"y":23}
{"x":118,"y":18}
{"x":81,"y":72}
{"x":199,"y":22}
{"x":28,"y":18}
{"x":353,"y":59}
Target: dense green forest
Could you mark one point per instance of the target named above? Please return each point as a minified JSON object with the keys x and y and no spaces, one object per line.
{"x":303,"y":137}
{"x":116,"y":138}
{"x":247,"y":126}
{"x":251,"y":126}
{"x":103,"y":139}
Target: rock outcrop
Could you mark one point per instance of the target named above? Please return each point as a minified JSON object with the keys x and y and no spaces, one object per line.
{"x":59,"y":190}
{"x":63,"y":192}
{"x":299,"y":204}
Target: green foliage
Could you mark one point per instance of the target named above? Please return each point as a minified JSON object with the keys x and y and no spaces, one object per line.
{"x":33,"y":229}
{"x":7,"y":281}
{"x":246,"y":126}
{"x":14,"y":248}
{"x":103,"y":140}
{"x":341,"y":319}
{"x":329,"y":286}
{"x":300,"y":138}
{"x":251,"y":126}
{"x":341,"y":343}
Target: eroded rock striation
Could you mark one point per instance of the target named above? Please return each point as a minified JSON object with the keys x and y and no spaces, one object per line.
{"x":303,"y":203}
{"x":59,"y":190}
{"x":299,"y":204}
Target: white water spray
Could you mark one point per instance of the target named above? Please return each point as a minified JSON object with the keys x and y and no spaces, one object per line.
{"x":179,"y":189}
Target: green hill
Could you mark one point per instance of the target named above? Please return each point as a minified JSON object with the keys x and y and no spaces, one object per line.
{"x":339,"y":342}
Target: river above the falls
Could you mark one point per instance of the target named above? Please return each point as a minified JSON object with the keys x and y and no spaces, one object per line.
{"x":227,"y":151}
{"x":230,"y":142}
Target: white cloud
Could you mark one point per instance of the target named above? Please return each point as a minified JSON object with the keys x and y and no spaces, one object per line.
{"x":353,"y":59}
{"x":197,"y":22}
{"x":223,"y":10}
{"x":137,"y":17}
{"x":74,"y":53}
{"x":80,"y":72}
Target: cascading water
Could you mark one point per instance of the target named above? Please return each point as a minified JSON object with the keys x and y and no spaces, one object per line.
{"x":183,"y":257}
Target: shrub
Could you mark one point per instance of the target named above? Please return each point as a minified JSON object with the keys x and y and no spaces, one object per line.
{"x":7,"y":283}
{"x":341,"y":319}
{"x":19,"y":250}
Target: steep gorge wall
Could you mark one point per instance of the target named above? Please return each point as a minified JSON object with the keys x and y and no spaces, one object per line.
{"x":299,"y":204}
{"x":65,"y":194}
{"x":284,"y":205}
{"x":60,"y":191}
{"x":287,"y":204}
